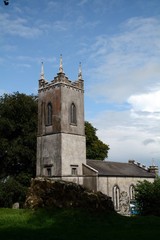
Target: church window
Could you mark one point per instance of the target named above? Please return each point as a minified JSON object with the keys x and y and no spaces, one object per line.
{"x":49,"y":172}
{"x":73,"y":117}
{"x":116,"y":197}
{"x":74,"y":170}
{"x":49,"y":114}
{"x":132,"y":192}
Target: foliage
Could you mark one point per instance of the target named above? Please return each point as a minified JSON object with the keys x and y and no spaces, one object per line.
{"x":70,"y":224}
{"x":11,"y":191}
{"x":95,"y":148}
{"x":18,"y":130}
{"x":148,"y":197}
{"x":18,"y":127}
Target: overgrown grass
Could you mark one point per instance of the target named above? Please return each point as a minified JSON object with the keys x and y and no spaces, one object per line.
{"x":74,"y":224}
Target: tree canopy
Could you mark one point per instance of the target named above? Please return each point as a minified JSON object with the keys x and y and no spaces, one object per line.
{"x":18,"y":128}
{"x":148,"y":197}
{"x":95,"y":148}
{"x":18,"y":131}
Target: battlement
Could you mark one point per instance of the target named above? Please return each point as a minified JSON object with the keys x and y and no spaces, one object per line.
{"x":60,"y":79}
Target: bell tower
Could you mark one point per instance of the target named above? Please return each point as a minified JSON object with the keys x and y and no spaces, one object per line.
{"x":61,"y":143}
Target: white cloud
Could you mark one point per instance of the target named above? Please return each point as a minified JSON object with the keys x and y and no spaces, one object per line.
{"x":18,"y":27}
{"x":133,"y":133}
{"x":127,"y":138}
{"x":128,"y":63}
{"x":148,"y":102}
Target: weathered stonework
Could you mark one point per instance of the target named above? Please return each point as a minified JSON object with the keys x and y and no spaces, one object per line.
{"x":117,"y":180}
{"x":61,"y":144}
{"x":45,"y":192}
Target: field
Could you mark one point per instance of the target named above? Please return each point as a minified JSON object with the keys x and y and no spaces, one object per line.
{"x":74,"y":224}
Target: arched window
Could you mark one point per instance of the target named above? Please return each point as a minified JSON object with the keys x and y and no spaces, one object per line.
{"x":116,"y":197}
{"x":132,"y":192}
{"x":49,"y":113}
{"x":73,"y":117}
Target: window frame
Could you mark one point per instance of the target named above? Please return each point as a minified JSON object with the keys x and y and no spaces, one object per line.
{"x":49,"y":171}
{"x":74,"y":170}
{"x":116,"y":197}
{"x":73,"y":114}
{"x":132,"y":192}
{"x":49,"y":114}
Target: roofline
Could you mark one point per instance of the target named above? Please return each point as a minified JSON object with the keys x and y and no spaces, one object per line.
{"x":103,"y":175}
{"x":93,"y":169}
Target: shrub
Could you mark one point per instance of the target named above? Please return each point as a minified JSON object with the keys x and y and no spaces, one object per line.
{"x":11,"y":191}
{"x":148,"y":197}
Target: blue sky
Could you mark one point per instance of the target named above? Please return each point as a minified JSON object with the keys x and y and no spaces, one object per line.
{"x":118,"y":44}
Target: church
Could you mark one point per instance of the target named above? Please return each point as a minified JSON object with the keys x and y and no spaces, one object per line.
{"x":61,"y":144}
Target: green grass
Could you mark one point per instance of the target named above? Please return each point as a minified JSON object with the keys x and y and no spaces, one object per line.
{"x":74,"y":224}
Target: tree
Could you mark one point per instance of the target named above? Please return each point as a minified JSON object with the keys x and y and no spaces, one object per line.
{"x":18,"y":127}
{"x":95,"y":148}
{"x":12,"y":191}
{"x":18,"y":131}
{"x":148,"y":197}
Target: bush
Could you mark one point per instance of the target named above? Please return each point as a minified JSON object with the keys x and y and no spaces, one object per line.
{"x":11,"y":191}
{"x":148,"y":197}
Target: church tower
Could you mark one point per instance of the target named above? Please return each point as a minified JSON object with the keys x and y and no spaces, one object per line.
{"x":61,"y":143}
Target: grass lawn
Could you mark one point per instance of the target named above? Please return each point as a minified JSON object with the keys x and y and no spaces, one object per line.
{"x":74,"y":224}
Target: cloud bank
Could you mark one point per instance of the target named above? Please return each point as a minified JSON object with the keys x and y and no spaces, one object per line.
{"x":127,"y":75}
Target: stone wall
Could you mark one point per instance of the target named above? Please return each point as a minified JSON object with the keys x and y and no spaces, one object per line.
{"x":48,"y":193}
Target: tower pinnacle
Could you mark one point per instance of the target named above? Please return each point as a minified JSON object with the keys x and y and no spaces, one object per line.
{"x":80,"y":72}
{"x":42,"y":71}
{"x":61,"y":66}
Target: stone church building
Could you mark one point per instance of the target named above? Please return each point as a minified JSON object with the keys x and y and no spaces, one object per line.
{"x":61,"y":144}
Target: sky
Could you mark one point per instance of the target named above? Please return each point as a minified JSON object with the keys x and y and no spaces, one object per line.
{"x":118,"y":45}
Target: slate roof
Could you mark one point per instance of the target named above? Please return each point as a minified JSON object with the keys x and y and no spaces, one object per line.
{"x":119,"y":169}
